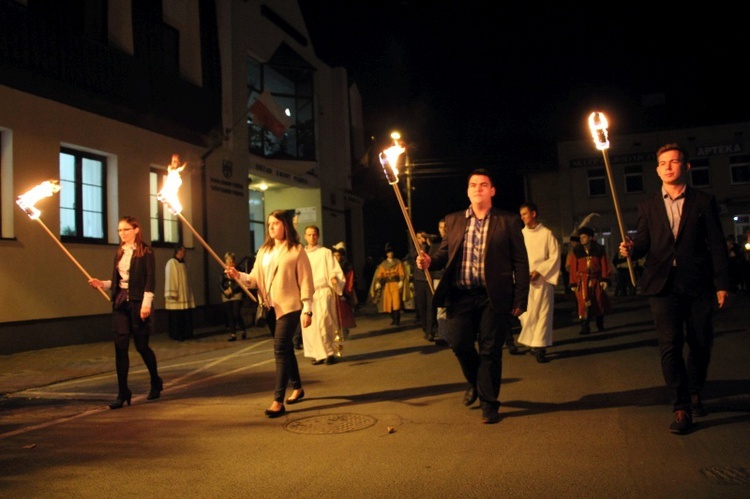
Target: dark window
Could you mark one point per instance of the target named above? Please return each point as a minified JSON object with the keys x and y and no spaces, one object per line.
{"x":166,"y":229}
{"x":82,"y":196}
{"x":597,"y":182}
{"x":740,"y":168}
{"x":633,"y":179}
{"x":281,"y":118}
{"x":700,"y":175}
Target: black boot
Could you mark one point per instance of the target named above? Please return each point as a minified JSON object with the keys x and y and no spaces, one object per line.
{"x":585,"y":328}
{"x":397,"y":317}
{"x":122,"y":398}
{"x":156,"y":387}
{"x":600,"y":323}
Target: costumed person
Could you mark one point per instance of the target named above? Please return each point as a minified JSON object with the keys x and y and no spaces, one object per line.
{"x":347,"y":302}
{"x":386,"y":286}
{"x":132,"y":285}
{"x":318,"y":338}
{"x":544,"y":270}
{"x":589,"y":278}
{"x":178,"y":296}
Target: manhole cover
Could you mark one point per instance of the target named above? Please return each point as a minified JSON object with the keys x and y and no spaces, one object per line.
{"x":727,"y":475}
{"x":331,"y":424}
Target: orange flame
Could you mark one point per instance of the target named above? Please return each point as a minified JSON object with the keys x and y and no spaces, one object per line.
{"x":168,"y":193}
{"x":598,"y":125}
{"x":28,"y":200}
{"x":389,"y":160}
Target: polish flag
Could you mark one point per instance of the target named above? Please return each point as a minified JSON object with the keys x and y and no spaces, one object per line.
{"x":267,"y":114}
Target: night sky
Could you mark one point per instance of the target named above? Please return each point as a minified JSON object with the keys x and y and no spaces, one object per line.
{"x":475,"y":83}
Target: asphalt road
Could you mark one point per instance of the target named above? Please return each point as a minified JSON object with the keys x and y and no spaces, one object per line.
{"x":386,"y":421}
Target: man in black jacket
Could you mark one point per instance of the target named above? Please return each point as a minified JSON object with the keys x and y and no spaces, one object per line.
{"x":685,"y":275}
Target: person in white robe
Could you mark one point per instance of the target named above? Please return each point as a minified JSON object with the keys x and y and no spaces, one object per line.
{"x":543,"y":252}
{"x":318,"y":338}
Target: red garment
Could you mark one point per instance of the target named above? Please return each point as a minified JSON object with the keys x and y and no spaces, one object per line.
{"x":589,"y":268}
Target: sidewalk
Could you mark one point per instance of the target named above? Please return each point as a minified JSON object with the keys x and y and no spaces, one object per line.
{"x":36,"y":368}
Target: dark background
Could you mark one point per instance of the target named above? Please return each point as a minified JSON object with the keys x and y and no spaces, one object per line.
{"x":496,"y":85}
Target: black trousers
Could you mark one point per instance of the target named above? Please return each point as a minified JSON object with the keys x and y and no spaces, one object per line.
{"x":680,"y":319}
{"x":126,"y":323}
{"x":476,"y":333}
{"x":423,"y":303}
{"x":287,"y":369}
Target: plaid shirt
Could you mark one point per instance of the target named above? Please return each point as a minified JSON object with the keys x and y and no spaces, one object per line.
{"x":470,"y":275}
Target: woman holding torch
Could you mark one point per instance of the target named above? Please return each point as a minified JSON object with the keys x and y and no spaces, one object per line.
{"x":132,"y":286}
{"x":283,"y":277}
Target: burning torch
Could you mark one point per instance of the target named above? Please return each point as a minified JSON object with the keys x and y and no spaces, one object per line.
{"x":598,"y":125}
{"x":27,"y":201}
{"x":168,"y":196}
{"x":389,"y":160}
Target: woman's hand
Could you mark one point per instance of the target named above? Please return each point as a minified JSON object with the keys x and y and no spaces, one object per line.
{"x":232,"y":273}
{"x":306,"y":320}
{"x":145,"y":313}
{"x":95,"y":283}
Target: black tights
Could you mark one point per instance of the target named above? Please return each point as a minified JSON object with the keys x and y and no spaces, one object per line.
{"x":127,"y":323}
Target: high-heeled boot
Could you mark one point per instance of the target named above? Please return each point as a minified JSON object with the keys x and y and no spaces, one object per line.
{"x":156,"y":388}
{"x":121,"y":399}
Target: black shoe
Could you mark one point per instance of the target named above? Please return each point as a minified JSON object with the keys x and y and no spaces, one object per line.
{"x":470,"y":395}
{"x":490,"y":415}
{"x":296,"y":399}
{"x":600,"y":325}
{"x":318,"y":362}
{"x":244,"y":335}
{"x":330,"y":360}
{"x":696,"y":406}
{"x":232,"y":338}
{"x":156,"y":389}
{"x":121,"y":400}
{"x":275,"y":414}
{"x":541,"y":356}
{"x":441,"y":342}
{"x":682,"y":423}
{"x":514,"y":350}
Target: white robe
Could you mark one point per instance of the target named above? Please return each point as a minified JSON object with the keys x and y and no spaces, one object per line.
{"x":318,"y":337}
{"x":544,"y":257}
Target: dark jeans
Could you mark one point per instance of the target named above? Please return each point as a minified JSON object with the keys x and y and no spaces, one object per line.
{"x":126,"y":322}
{"x":471,"y":320}
{"x":683,"y":319}
{"x":287,"y":369}
{"x":233,"y":312}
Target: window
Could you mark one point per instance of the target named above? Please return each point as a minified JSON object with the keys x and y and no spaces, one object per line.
{"x":286,"y":84}
{"x":257,"y":220}
{"x":740,"y":169}
{"x":166,"y":229}
{"x":82,"y":196}
{"x":633,"y":179}
{"x":597,"y":182}
{"x":700,"y":175}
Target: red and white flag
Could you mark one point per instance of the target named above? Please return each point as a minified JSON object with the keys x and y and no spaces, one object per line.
{"x":268,"y":115}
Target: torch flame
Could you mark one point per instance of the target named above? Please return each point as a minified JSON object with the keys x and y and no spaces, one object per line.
{"x":598,"y":125}
{"x":28,"y":200}
{"x":168,"y":193}
{"x":389,"y":160}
